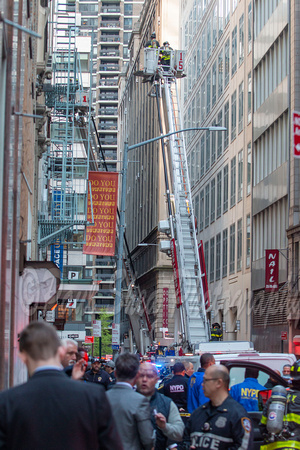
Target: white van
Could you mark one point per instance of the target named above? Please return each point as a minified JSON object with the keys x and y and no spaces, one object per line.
{"x":230,"y":350}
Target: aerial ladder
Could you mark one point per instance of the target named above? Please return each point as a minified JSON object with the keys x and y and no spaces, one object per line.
{"x":190,"y":318}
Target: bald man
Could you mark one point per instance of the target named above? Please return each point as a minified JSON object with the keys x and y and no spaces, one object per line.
{"x":221,"y":423}
{"x":165,"y":415}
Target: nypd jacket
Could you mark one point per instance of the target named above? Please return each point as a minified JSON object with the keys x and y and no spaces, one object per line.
{"x":246,"y":393}
{"x":223,"y":427}
{"x":100,"y":377}
{"x":291,"y":423}
{"x":177,"y":390}
{"x":196,"y":396}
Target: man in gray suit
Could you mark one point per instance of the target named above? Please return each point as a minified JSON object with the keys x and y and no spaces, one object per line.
{"x":130,"y":409}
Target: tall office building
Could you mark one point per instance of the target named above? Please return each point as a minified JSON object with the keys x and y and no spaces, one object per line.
{"x":275,"y":197}
{"x":217,"y":37}
{"x":146,"y":190}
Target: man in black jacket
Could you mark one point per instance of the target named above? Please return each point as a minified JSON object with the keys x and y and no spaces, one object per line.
{"x":177,"y":387}
{"x":222,"y":423}
{"x":97,"y":375}
{"x":51,"y":411}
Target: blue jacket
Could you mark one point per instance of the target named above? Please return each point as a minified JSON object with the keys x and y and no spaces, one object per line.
{"x":246,"y":393}
{"x":196,"y":396}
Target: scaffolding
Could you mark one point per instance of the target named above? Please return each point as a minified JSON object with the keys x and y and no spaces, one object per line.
{"x":72,"y":150}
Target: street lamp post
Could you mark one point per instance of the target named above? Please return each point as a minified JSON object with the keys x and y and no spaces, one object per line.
{"x":127,"y":148}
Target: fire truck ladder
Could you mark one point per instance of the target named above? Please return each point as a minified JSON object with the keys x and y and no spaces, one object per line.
{"x":193,"y":308}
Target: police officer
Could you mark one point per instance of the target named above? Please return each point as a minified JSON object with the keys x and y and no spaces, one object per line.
{"x":246,"y":393}
{"x":152,"y":43}
{"x":289,"y":437}
{"x":97,"y":375}
{"x":221,"y":423}
{"x":216,"y":332}
{"x":177,"y":387}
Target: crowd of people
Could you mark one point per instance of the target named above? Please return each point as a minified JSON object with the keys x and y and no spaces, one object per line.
{"x":118,"y":406}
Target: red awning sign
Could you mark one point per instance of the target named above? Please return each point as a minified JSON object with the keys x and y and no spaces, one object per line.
{"x":296,"y":134}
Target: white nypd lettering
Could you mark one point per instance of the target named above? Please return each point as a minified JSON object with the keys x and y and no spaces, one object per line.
{"x":177,"y":388}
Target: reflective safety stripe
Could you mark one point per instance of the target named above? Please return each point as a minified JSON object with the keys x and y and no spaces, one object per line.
{"x":282,"y":445}
{"x":185,"y":415}
{"x":291,"y":417}
{"x":263,"y":420}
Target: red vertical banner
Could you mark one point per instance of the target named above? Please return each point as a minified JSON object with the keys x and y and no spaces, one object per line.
{"x":272,"y":270}
{"x":165,"y":307}
{"x":101,"y":237}
{"x":296,"y":134}
{"x":176,"y":273}
{"x":203,"y":275}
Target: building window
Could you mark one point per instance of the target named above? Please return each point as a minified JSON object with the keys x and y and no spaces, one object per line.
{"x":202,"y":153}
{"x":197,"y":208}
{"x":234,"y":5}
{"x":220,"y":135}
{"x":239,"y":245}
{"x":225,"y":253}
{"x":249,"y":168}
{"x":221,"y":17}
{"x":208,"y":38}
{"x":212,"y":200}
{"x":241,"y":40}
{"x":227,"y":62}
{"x":127,"y":24}
{"x":233,"y":116}
{"x":233,"y":182}
{"x":207,"y":162}
{"x":232,"y":249}
{"x":227,"y":11}
{"x":234,"y":51}
{"x":213,"y":143}
{"x":214,"y":84}
{"x":240,"y":175}
{"x":208,"y":92}
{"x":128,"y":9}
{"x":212,"y":261}
{"x":220,"y":73}
{"x":203,"y":101}
{"x":225,"y":189}
{"x":226,"y":125}
{"x":197,"y":167}
{"x":215,"y":25}
{"x":241,"y":107}
{"x":249,"y":27}
{"x":219,"y":194}
{"x":207,"y":206}
{"x":218,"y":256}
{"x":249,"y":97}
{"x":248,"y":242}
{"x":203,"y":50}
{"x":201,"y":213}
{"x":206,"y":255}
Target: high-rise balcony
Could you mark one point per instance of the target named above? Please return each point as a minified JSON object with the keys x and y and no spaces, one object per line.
{"x":111,"y":24}
{"x":110,"y":10}
{"x":109,"y":38}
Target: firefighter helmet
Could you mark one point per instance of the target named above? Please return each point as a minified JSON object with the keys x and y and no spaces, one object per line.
{"x":295,"y":370}
{"x":153,"y":35}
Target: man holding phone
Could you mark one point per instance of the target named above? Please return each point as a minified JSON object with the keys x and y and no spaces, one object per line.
{"x":165,"y":415}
